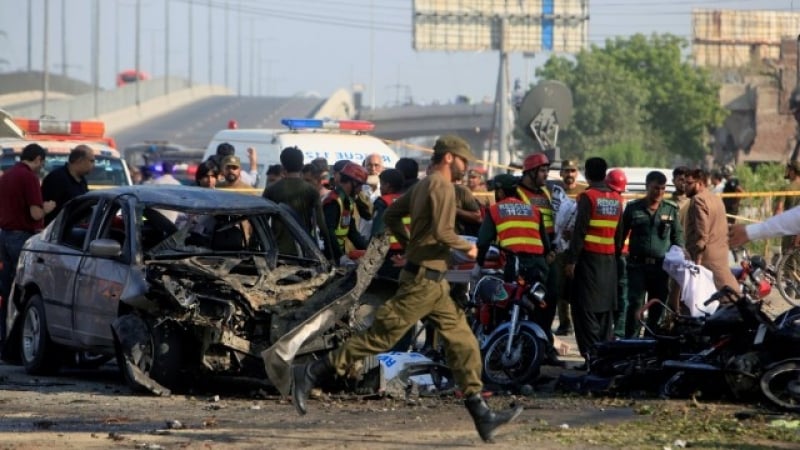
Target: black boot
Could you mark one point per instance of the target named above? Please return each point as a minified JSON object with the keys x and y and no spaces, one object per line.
{"x":304,"y":378}
{"x":486,"y":420}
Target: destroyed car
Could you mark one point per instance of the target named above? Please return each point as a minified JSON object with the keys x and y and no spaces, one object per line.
{"x":176,"y":282}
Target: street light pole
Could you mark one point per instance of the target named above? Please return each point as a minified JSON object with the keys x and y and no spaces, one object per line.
{"x":138,"y":51}
{"x":64,"y":38}
{"x":210,"y":45}
{"x":166,"y":47}
{"x":96,"y":56}
{"x":45,"y":59}
{"x":239,"y":53}
{"x":191,"y":41}
{"x":227,"y":46}
{"x":30,"y":35}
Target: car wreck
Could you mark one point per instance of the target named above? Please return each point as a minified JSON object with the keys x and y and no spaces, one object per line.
{"x":180,"y":282}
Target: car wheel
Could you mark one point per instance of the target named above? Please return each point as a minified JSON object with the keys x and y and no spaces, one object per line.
{"x":40,"y":355}
{"x":155,"y":349}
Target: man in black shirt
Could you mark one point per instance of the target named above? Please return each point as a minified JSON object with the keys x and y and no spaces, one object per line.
{"x":69,"y":181}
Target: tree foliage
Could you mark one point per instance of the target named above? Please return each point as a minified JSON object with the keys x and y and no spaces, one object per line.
{"x":637,"y":99}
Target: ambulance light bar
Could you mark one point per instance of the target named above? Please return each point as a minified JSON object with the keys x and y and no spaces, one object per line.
{"x":62,"y":127}
{"x":326,"y":124}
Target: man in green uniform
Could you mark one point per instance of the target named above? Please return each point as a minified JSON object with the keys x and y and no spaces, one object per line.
{"x":302,"y":198}
{"x":423,"y":292}
{"x":654,"y":226}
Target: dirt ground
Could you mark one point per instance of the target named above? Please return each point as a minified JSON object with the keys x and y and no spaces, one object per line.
{"x":94,"y":409}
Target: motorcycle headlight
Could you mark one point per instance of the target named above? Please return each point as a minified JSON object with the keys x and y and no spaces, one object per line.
{"x":537,"y":292}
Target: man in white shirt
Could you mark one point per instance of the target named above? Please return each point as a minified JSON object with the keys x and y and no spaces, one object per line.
{"x":786,"y":223}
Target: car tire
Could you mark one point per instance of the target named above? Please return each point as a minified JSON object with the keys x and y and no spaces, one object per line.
{"x":39,"y":354}
{"x":158,"y":354}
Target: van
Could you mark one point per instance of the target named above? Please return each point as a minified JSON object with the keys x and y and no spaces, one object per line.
{"x":59,"y":137}
{"x":333,"y":140}
{"x":637,"y":175}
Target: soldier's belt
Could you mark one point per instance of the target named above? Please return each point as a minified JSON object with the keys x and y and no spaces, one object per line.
{"x":430,"y":274}
{"x":645,"y":260}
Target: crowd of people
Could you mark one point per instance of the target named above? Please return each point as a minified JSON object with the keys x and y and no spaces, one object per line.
{"x":599,"y":256}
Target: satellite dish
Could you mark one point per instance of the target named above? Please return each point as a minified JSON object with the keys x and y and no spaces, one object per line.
{"x":544,"y":109}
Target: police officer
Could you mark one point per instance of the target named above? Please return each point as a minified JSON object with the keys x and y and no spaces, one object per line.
{"x":654,"y":226}
{"x":519,"y":230}
{"x":423,"y":292}
{"x":339,"y":209}
{"x":592,"y":258}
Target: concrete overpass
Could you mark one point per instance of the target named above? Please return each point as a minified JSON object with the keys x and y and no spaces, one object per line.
{"x":472,"y":122}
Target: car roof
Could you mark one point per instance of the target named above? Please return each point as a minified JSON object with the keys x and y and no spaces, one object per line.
{"x":193,"y":198}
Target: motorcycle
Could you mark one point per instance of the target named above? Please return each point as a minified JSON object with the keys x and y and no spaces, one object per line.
{"x":743,"y":340}
{"x":512,"y":345}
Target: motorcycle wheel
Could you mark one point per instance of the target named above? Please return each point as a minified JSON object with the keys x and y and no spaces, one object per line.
{"x":781,"y":385}
{"x":787,"y":276}
{"x":520,"y":367}
{"x":678,"y":386}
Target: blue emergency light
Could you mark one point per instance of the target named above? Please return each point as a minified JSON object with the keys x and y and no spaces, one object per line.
{"x":326,"y":124}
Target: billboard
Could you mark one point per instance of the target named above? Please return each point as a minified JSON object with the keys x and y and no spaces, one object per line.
{"x":732,"y":38}
{"x":517,"y":26}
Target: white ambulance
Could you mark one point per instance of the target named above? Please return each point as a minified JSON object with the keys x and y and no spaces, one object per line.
{"x":333,"y":140}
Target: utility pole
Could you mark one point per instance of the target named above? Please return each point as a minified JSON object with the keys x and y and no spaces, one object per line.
{"x":191,"y":42}
{"x":166,"y":47}
{"x":504,"y":157}
{"x":138,"y":51}
{"x":227,"y":46}
{"x":210,"y":32}
{"x":371,"y":55}
{"x":116,"y":39}
{"x":64,"y":38}
{"x":96,"y":56}
{"x":239,"y":52}
{"x":30,"y":35}
{"x":45,"y":59}
{"x":253,"y":42}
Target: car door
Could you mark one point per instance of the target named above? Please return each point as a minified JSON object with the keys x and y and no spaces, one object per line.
{"x":54,"y":264}
{"x":101,"y":279}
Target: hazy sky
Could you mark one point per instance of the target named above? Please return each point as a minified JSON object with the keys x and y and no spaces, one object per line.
{"x":305,"y":45}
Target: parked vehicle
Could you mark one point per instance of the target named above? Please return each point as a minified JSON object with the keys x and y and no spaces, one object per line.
{"x":330,"y":139}
{"x":512,"y":345}
{"x":204,"y":295}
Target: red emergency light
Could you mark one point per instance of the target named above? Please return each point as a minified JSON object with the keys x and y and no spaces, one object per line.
{"x":62,"y":127}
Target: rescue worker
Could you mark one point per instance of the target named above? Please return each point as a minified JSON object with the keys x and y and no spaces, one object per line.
{"x":519,"y":231}
{"x":592,"y":259}
{"x":423,"y":292}
{"x":569,"y":177}
{"x":707,"y":230}
{"x":654,"y":226}
{"x":339,"y":209}
{"x":617,"y":181}
{"x":533,"y":190}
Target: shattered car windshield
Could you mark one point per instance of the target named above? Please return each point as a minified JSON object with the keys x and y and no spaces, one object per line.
{"x":166,"y":232}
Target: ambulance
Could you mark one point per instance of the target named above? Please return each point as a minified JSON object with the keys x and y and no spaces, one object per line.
{"x":59,"y":137}
{"x":333,"y":140}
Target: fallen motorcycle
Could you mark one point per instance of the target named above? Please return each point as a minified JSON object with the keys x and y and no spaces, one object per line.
{"x":512,"y":346}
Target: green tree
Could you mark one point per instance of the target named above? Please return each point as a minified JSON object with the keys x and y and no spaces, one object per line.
{"x":637,"y":93}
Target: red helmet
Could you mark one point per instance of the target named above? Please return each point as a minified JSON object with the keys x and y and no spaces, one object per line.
{"x":535,"y":160}
{"x":355,"y":172}
{"x":617,"y":180}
